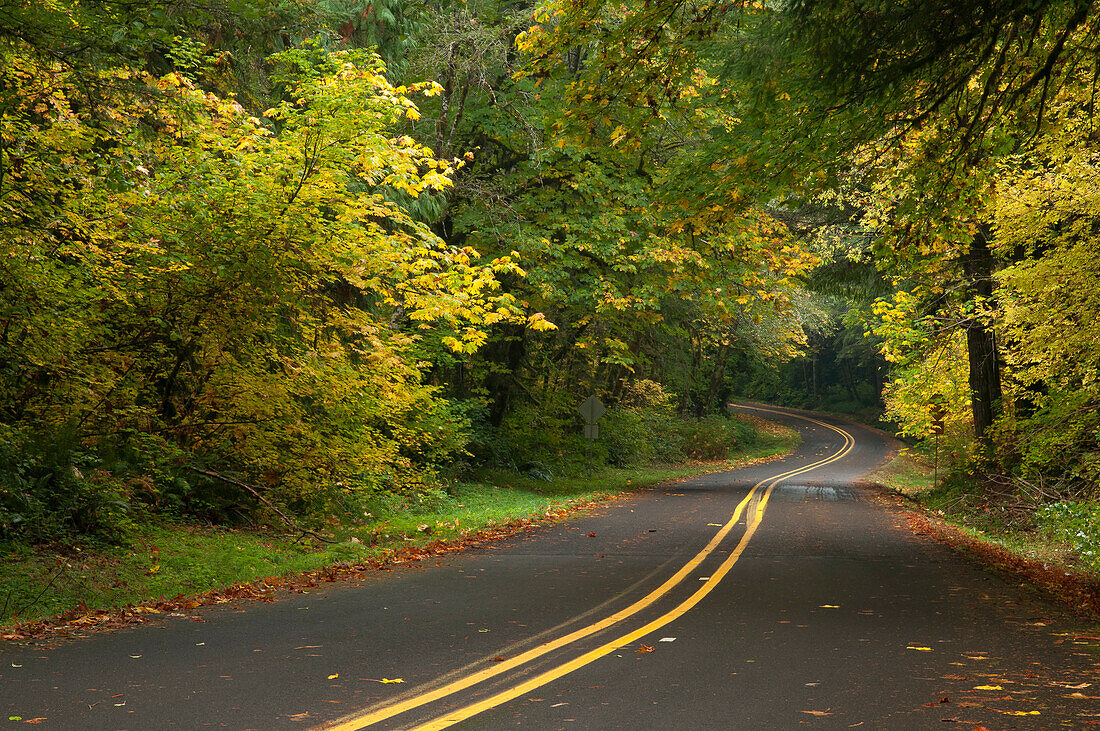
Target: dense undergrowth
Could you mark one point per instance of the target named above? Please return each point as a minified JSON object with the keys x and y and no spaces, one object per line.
{"x":1065,"y":532}
{"x":62,"y":489}
{"x":1053,"y":540}
{"x":162,"y":558}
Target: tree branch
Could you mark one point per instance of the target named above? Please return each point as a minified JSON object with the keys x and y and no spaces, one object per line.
{"x":256,"y":493}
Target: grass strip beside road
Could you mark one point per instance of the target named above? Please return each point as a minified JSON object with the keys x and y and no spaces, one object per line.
{"x":905,"y":473}
{"x":179,"y":567}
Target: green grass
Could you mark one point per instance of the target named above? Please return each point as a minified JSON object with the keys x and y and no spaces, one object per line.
{"x":170,"y":560}
{"x":164,"y":562}
{"x":906,"y":473}
{"x":1030,"y":546}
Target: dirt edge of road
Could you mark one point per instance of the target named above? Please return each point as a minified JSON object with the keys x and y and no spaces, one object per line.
{"x":1078,"y":591}
{"x":82,"y":622}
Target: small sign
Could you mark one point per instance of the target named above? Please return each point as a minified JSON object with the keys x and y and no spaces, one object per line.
{"x":592,"y":409}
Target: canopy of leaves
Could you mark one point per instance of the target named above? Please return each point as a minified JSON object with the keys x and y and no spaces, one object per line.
{"x":239,"y":248}
{"x":184,"y":281}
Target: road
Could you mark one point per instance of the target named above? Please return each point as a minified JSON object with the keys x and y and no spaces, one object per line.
{"x":777,"y":596}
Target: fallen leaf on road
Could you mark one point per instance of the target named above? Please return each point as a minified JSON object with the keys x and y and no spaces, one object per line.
{"x":819,"y":713}
{"x":830,"y":606}
{"x":716,"y":525}
{"x":559,"y":704}
{"x":1020,"y":713}
{"x":921,"y":649}
{"x":334,"y":676}
{"x":988,"y":687}
{"x":645,"y":648}
{"x":394,"y":680}
{"x":35,"y":720}
{"x":1079,"y":686}
{"x":592,"y":534}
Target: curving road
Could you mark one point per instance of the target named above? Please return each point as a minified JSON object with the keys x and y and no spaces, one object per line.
{"x":770,"y":597}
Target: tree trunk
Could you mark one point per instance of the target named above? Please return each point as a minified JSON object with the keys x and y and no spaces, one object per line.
{"x":508,"y":353}
{"x":717,"y":377}
{"x":813,"y":370}
{"x":981,"y":341}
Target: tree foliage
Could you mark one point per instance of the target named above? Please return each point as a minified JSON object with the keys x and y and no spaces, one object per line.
{"x":241,"y":248}
{"x":185,"y":279}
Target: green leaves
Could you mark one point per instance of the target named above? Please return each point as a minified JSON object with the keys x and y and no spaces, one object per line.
{"x":237,"y":289}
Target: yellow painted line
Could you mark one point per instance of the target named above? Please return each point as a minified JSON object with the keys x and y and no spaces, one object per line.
{"x":553,"y":674}
{"x":564,"y":669}
{"x":382,"y":714}
{"x":362,"y":720}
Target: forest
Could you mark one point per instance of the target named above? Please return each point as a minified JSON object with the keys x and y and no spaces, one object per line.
{"x":279,"y":257}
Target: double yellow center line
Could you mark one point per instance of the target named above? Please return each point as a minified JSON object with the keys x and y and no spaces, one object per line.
{"x":362,"y":720}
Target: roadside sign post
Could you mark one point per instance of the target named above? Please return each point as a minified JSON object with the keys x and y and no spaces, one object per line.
{"x":937,"y":413}
{"x":591,"y":410}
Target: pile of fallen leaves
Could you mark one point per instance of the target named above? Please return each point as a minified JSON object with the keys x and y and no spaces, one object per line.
{"x":1078,"y":589}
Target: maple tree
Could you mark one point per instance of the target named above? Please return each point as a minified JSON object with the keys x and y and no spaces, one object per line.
{"x":934,"y":121}
{"x":977,"y":108}
{"x":644,"y":271}
{"x":189,"y":284}
{"x":239,"y":251}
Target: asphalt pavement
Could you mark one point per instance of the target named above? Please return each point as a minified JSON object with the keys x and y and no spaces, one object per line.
{"x":777,"y":596}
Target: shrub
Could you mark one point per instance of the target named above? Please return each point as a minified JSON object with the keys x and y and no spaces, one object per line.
{"x":1076,"y":524}
{"x":52,"y":490}
{"x":712,"y":437}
